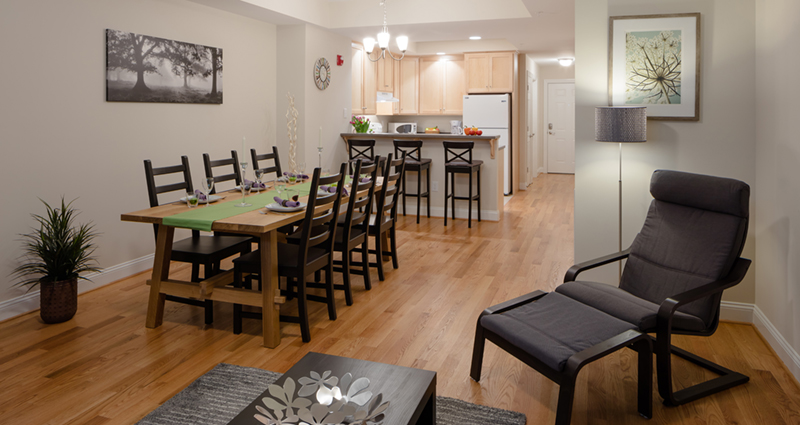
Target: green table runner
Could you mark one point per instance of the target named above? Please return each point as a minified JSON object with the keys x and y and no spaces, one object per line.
{"x":203,"y":216}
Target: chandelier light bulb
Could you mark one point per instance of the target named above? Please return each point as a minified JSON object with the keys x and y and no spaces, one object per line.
{"x":565,"y":61}
{"x":402,"y":43}
{"x":383,"y":39}
{"x":369,"y":44}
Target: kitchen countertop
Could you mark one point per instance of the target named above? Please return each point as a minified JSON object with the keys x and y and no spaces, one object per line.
{"x":423,"y":136}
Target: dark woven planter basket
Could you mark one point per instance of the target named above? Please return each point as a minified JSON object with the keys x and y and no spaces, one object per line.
{"x":59,"y":300}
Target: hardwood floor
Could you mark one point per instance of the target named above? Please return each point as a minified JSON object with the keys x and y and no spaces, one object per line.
{"x":105,"y":367}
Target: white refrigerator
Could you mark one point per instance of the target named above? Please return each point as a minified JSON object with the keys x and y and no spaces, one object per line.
{"x":491,"y":113}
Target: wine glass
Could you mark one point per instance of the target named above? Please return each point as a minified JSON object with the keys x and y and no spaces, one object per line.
{"x":259,"y":173}
{"x":208,"y":187}
{"x":244,"y":185}
{"x":280,"y":186}
{"x":302,"y":169}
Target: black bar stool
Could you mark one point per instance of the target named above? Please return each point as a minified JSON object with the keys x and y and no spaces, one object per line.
{"x":456,"y":163}
{"x":363,"y":150}
{"x":414,"y":162}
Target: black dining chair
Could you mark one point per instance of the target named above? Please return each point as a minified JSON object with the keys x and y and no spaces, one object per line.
{"x":258,"y":162}
{"x":233,"y":162}
{"x":198,"y":250}
{"x":363,"y":150}
{"x":384,"y":221}
{"x":296,"y":262}
{"x":415,"y":163}
{"x":353,"y":230}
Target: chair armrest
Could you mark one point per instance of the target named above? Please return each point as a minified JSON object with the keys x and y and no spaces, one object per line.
{"x":671,"y":304}
{"x":573,"y":271}
{"x":514,"y":303}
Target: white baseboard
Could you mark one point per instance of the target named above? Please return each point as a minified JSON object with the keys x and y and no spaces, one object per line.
{"x":540,"y":170}
{"x":30,"y":301}
{"x":750,"y":313}
{"x":736,"y":312}
{"x":439,"y":212}
{"x":782,"y":348}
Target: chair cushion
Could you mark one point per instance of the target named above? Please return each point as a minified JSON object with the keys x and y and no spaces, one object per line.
{"x":411,"y":162}
{"x":625,"y":306}
{"x":464,"y":164}
{"x":719,"y":194}
{"x":554,"y":327}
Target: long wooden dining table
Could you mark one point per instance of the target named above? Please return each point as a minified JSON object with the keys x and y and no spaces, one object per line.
{"x":254,"y":223}
{"x":260,"y":223}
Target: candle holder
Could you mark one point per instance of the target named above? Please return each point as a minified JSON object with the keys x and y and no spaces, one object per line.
{"x":320,"y":156}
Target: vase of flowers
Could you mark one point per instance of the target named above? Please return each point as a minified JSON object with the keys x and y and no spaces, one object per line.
{"x":360,"y":124}
{"x":54,"y":256}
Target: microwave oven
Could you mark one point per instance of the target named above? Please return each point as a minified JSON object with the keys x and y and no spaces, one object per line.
{"x":403,"y":127}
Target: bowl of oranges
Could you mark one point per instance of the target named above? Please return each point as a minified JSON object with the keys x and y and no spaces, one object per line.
{"x":472,"y":131}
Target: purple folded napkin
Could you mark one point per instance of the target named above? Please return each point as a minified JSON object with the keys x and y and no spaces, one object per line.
{"x":329,"y":189}
{"x":254,"y":185}
{"x":286,"y":203}
{"x":200,"y":195}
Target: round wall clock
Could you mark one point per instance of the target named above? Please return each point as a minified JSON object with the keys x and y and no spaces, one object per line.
{"x":322,"y":73}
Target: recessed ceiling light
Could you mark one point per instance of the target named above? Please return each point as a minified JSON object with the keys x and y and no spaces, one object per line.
{"x":475,"y":37}
{"x":566,"y":61}
{"x":440,"y":53}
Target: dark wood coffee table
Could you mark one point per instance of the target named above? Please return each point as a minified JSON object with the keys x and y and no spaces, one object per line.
{"x":411,"y":393}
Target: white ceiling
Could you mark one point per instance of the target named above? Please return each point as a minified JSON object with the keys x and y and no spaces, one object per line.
{"x":543,"y":28}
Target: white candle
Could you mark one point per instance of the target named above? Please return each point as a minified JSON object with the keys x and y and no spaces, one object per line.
{"x":320,"y":137}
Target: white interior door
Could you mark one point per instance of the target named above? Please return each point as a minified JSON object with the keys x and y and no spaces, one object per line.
{"x":561,"y":128}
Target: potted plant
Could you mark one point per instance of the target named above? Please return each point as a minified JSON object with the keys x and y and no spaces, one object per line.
{"x":54,"y":257}
{"x":360,"y":124}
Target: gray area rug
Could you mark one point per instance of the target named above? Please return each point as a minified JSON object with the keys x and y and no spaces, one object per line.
{"x":223,"y":392}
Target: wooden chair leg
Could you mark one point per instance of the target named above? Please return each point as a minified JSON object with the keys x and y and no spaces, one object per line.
{"x":331,"y":301}
{"x":566,"y":395}
{"x":237,"y":308}
{"x":469,"y":203}
{"x":365,"y":264}
{"x":453,"y":199}
{"x":419,"y":191}
{"x":302,"y":309}
{"x":379,"y":256}
{"x":477,"y":353}
{"x":446,"y":195}
{"x":347,"y":259}
{"x":195,"y":272}
{"x":428,"y":190}
{"x":479,"y":195}
{"x":403,"y":189}
{"x":208,"y":271}
{"x":393,"y":242}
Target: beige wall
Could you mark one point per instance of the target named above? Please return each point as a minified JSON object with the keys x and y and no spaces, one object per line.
{"x":722,"y":143}
{"x":777,"y":270}
{"x":60,"y":136}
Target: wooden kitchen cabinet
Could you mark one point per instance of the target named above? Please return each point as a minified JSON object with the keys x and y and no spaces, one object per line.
{"x":490,"y":72}
{"x":386,"y":71}
{"x":364,"y":80}
{"x":406,"y":81}
{"x":441,"y":86}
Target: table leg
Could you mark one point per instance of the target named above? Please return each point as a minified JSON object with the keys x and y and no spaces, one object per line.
{"x":269,"y":289}
{"x":428,"y":416}
{"x":155,"y":303}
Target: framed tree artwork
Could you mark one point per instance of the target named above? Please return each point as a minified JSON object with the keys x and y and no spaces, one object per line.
{"x":654,"y":61}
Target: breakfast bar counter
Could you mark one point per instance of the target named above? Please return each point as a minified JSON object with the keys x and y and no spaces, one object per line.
{"x":486,"y":149}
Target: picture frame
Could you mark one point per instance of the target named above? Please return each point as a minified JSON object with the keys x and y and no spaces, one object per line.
{"x":654,"y":61}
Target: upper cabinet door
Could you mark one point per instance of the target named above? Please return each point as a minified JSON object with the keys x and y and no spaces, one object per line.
{"x":477,"y":72}
{"x":408,"y":86}
{"x":386,"y":74}
{"x":370,"y":87}
{"x":454,"y":87}
{"x":357,"y":59}
{"x":431,"y":78}
{"x":490,"y":72}
{"x":501,"y":72}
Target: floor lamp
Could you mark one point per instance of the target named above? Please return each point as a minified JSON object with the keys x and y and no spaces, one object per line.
{"x":620,"y":124}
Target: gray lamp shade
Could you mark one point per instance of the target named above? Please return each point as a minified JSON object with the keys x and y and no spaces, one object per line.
{"x":620,"y":124}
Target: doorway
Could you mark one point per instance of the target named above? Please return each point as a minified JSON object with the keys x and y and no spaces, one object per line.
{"x":560,"y":126}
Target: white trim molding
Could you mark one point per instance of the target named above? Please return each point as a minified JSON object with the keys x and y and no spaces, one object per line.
{"x":750,"y":313}
{"x":30,"y":301}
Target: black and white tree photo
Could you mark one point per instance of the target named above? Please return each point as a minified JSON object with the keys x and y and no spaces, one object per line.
{"x":141,"y":68}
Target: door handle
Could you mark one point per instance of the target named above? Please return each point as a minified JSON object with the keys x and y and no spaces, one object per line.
{"x":551,"y":132}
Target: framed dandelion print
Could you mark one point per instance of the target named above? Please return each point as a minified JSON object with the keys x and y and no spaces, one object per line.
{"x":654,"y":61}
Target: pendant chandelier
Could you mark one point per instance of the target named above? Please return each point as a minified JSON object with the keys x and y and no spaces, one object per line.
{"x":383,"y":41}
